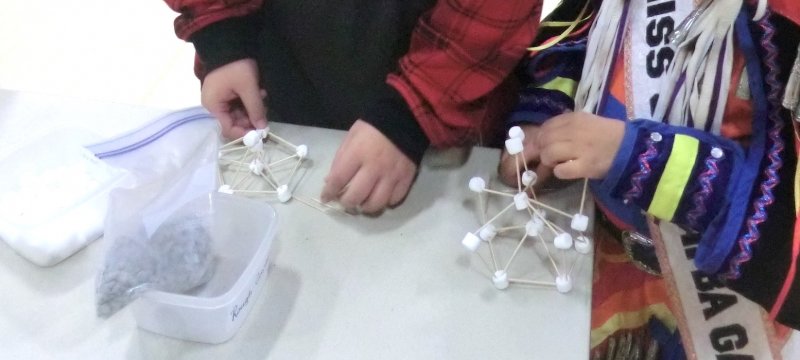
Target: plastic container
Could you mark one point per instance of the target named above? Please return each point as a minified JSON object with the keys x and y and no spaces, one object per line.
{"x":243,"y":230}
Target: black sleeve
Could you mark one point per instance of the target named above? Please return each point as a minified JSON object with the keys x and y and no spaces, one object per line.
{"x":226,"y":41}
{"x":390,"y":114}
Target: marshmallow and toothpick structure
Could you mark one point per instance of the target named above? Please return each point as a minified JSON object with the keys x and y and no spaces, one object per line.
{"x":263,"y":164}
{"x":534,"y":226}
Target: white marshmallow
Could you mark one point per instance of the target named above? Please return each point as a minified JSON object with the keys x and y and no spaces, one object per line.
{"x":521,"y":201}
{"x":563,"y":283}
{"x":263,"y":132}
{"x":529,"y":178}
{"x":471,"y":241}
{"x":534,"y":227}
{"x":284,"y":194}
{"x":258,"y":147}
{"x":225,"y":189}
{"x":563,"y":241}
{"x":251,"y":138}
{"x":488,"y":232}
{"x":579,"y":222}
{"x":516,"y":133}
{"x":500,"y":279}
{"x":514,"y":146}
{"x":477,"y":184}
{"x":256,"y":167}
{"x":583,"y":244}
{"x":302,"y":151}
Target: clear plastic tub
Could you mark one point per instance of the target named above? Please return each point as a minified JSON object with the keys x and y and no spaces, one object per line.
{"x":242,"y":230}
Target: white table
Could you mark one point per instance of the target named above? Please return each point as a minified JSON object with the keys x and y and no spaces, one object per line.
{"x":400,"y":286}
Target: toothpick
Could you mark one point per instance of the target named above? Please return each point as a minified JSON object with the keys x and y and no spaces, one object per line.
{"x":255,"y":191}
{"x":539,"y":203}
{"x":282,"y":140}
{"x":329,"y":206}
{"x":485,"y":263}
{"x":514,"y":254}
{"x":519,"y":180}
{"x":230,"y":150}
{"x":267,"y":177}
{"x":507,"y":228}
{"x":545,"y":221}
{"x":494,"y":259}
{"x":569,"y":273}
{"x":235,"y":177}
{"x":490,"y":191}
{"x":294,"y":170}
{"x":531,"y":282}
{"x":500,"y":213}
{"x":309,"y":204}
{"x":583,"y":195}
{"x":549,"y":256}
{"x":282,"y":160}
{"x":219,"y":177}
{"x":239,"y":140}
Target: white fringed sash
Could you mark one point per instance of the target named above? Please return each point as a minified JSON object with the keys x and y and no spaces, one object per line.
{"x":694,"y":90}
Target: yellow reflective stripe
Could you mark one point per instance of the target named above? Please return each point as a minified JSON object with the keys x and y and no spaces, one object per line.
{"x":565,"y":85}
{"x":676,"y":175}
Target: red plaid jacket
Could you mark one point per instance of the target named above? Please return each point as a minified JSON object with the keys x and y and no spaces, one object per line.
{"x":453,"y":76}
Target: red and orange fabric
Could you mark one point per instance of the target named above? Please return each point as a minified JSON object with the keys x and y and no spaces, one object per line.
{"x":624,"y":306}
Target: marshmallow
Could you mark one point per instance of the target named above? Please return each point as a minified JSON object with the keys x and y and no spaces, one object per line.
{"x":225,"y":189}
{"x":563,"y":283}
{"x":258,"y":147}
{"x":471,"y":241}
{"x":488,"y":232}
{"x":579,"y":222}
{"x":514,"y":146}
{"x":256,"y":167}
{"x":302,"y":151}
{"x":521,"y":201}
{"x":563,"y":241}
{"x":477,"y":184}
{"x":251,"y":138}
{"x":516,"y":132}
{"x":583,"y":244}
{"x":534,"y":227}
{"x":529,"y":178}
{"x":284,"y":194}
{"x":263,"y":132}
{"x":500,"y":279}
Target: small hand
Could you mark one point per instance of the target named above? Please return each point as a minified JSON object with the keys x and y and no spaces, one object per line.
{"x":368,"y":171}
{"x":509,"y":172}
{"x":579,"y":144}
{"x":231,"y":93}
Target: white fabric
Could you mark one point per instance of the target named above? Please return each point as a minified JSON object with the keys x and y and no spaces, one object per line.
{"x":709,"y":32}
{"x":645,"y":85}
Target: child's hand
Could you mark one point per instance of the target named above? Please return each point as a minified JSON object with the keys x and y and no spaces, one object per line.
{"x":509,"y":171}
{"x":579,"y":144}
{"x":368,"y":171}
{"x":231,"y":93}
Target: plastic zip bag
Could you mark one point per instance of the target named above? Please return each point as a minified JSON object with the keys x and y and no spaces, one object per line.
{"x":160,"y":147}
{"x":158,"y":232}
{"x":55,"y":200}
